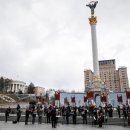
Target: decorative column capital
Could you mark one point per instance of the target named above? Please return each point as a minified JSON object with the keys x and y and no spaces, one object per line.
{"x":96,"y":77}
{"x":93,"y":20}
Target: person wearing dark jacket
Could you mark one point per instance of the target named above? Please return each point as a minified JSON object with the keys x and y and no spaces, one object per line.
{"x":7,"y":112}
{"x":95,"y":116}
{"x":118,"y":110}
{"x":48,"y":114}
{"x":67,"y":115}
{"x":84,"y":115}
{"x":100,"y":119}
{"x":27,"y":116}
{"x":33,"y":112}
{"x":18,"y":107}
{"x":124,"y":111}
{"x":6,"y":115}
{"x":18,"y":115}
{"x":74,"y":115}
{"x":53,"y":117}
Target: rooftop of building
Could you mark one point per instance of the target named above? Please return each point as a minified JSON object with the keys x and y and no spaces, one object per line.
{"x":104,"y":62}
{"x":17,"y":81}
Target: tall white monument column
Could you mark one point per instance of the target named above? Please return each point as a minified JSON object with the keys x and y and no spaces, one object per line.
{"x":96,"y":85}
{"x":93,"y":22}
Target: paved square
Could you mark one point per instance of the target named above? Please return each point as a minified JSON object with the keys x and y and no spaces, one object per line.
{"x":21,"y":126}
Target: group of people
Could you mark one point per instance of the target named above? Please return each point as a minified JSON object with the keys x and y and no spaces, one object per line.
{"x":98,"y":115}
{"x":123,"y":110}
{"x":38,"y":110}
{"x":18,"y":112}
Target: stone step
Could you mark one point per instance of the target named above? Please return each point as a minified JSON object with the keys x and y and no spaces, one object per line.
{"x":110,"y":121}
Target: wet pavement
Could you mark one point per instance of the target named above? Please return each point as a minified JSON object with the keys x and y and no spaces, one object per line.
{"x":44,"y":126}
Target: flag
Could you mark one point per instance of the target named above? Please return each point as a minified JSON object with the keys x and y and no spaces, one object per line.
{"x":119,"y":98}
{"x":73,"y":99}
{"x":90,"y":95}
{"x":65,"y":100}
{"x":103,"y":98}
{"x":85,"y":98}
{"x":128,"y":94}
{"x":57,"y":95}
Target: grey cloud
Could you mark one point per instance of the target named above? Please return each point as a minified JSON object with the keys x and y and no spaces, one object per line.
{"x":49,"y":42}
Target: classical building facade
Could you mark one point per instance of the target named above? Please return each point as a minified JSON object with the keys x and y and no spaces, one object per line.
{"x":16,"y":86}
{"x":115,"y":80}
{"x":39,"y":91}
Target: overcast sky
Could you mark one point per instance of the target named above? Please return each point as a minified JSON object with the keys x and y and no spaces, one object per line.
{"x":48,"y":42}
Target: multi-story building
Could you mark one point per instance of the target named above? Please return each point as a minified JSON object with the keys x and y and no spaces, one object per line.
{"x":88,"y":76}
{"x":39,"y":91}
{"x":123,"y":78}
{"x":115,"y":80}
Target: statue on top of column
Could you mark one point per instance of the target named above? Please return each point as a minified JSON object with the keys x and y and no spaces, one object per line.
{"x":92,"y":6}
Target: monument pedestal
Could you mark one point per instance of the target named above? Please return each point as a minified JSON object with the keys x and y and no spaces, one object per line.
{"x":98,"y":88}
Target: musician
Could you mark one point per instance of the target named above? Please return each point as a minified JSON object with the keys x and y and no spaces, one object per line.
{"x":27,"y":112}
{"x":53,"y":117}
{"x":33,"y":113}
{"x":39,"y":113}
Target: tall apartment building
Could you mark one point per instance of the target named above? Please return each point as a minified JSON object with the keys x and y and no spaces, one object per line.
{"x":115,"y":80}
{"x":123,"y":78}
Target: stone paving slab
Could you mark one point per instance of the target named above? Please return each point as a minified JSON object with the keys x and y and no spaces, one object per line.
{"x":22,"y":126}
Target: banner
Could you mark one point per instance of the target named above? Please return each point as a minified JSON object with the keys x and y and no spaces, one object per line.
{"x":90,"y":95}
{"x":103,"y":98}
{"x":85,"y":98}
{"x":57,"y":95}
{"x":119,"y":98}
{"x":73,"y":99}
{"x":65,"y":101}
{"x":128,"y":94}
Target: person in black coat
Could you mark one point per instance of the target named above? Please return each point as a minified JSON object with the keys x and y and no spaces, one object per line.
{"x":18,"y":115}
{"x":53,"y":117}
{"x":95,"y":116}
{"x":100,"y":119}
{"x":118,"y":110}
{"x":18,"y":107}
{"x":6,"y":115}
{"x":84,"y":114}
{"x":7,"y":112}
{"x":33,"y":111}
{"x":63,"y":111}
{"x":48,"y":114}
{"x":124,"y":111}
{"x":110,"y":110}
{"x":67,"y":115}
{"x":27,"y":116}
{"x":74,"y":115}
